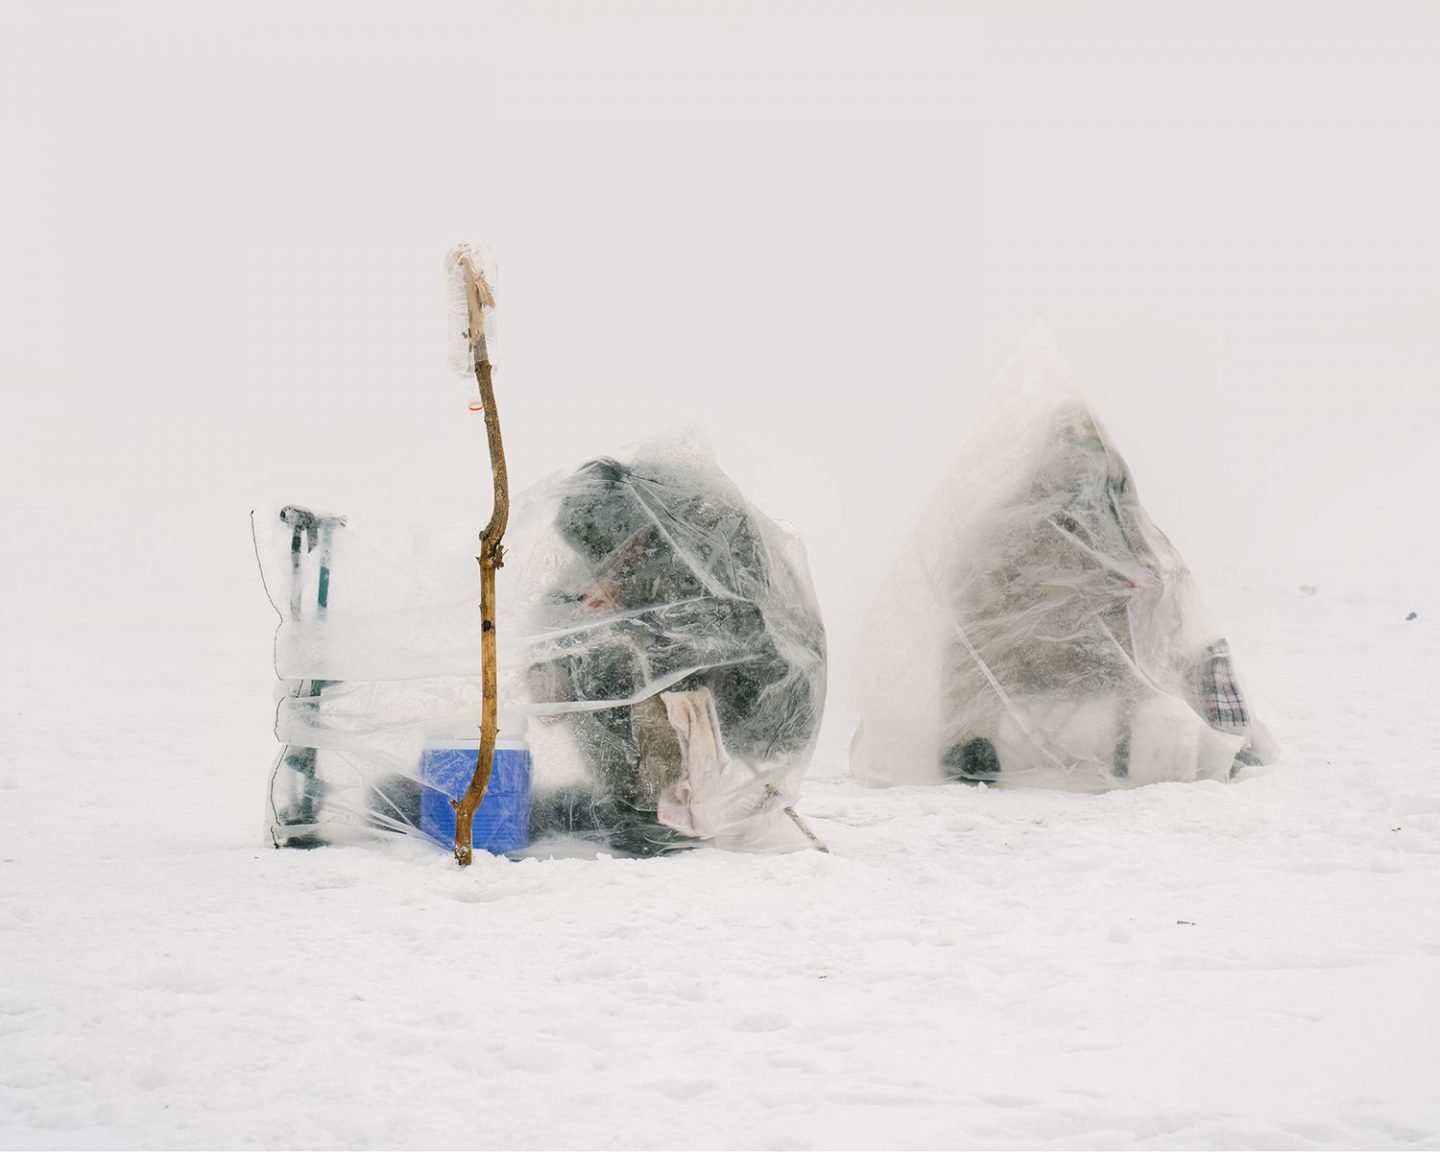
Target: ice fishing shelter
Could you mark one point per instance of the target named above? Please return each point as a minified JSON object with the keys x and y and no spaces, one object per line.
{"x":662,"y":667}
{"x":378,"y":655}
{"x":1038,"y":627}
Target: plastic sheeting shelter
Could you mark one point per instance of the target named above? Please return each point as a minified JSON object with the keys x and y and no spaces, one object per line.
{"x":661,"y":651}
{"x":1037,"y":627}
{"x":378,"y":654}
{"x":673,"y":663}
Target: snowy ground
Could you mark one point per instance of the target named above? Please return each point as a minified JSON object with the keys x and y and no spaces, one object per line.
{"x":817,"y":229}
{"x":1248,"y":965}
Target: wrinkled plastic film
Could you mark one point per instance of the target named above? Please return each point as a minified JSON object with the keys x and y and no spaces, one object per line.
{"x":378,"y":657}
{"x":674,"y":656}
{"x":662,"y":666}
{"x":1038,"y":627}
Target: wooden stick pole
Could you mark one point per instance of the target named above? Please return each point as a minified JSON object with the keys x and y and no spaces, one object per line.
{"x":492,"y":556}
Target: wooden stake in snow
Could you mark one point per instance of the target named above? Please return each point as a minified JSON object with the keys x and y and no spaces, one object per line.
{"x":479,"y":301}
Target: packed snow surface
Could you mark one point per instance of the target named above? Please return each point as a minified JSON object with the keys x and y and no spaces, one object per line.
{"x":817,"y":230}
{"x":1204,"y":965}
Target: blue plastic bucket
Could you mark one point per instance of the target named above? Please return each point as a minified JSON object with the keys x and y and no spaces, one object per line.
{"x":502,"y":822}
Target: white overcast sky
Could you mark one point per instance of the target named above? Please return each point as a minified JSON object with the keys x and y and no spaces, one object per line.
{"x":815,"y":229}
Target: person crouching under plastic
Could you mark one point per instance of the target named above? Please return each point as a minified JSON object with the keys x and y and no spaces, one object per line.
{"x":1083,"y":654}
{"x":683,"y":673}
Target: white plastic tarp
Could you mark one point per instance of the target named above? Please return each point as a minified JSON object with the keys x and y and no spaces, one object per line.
{"x":660,"y":648}
{"x":1038,"y":627}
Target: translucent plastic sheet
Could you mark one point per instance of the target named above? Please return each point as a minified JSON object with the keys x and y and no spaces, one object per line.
{"x":378,"y":654}
{"x":674,"y":656}
{"x":1037,"y":627}
{"x":662,"y":667}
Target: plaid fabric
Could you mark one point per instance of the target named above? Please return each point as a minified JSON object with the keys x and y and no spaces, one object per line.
{"x":1219,"y":694}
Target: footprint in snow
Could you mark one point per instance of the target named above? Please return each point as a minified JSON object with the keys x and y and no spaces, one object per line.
{"x":681,"y":1089}
{"x":761,"y":1022}
{"x":1002,"y":1100}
